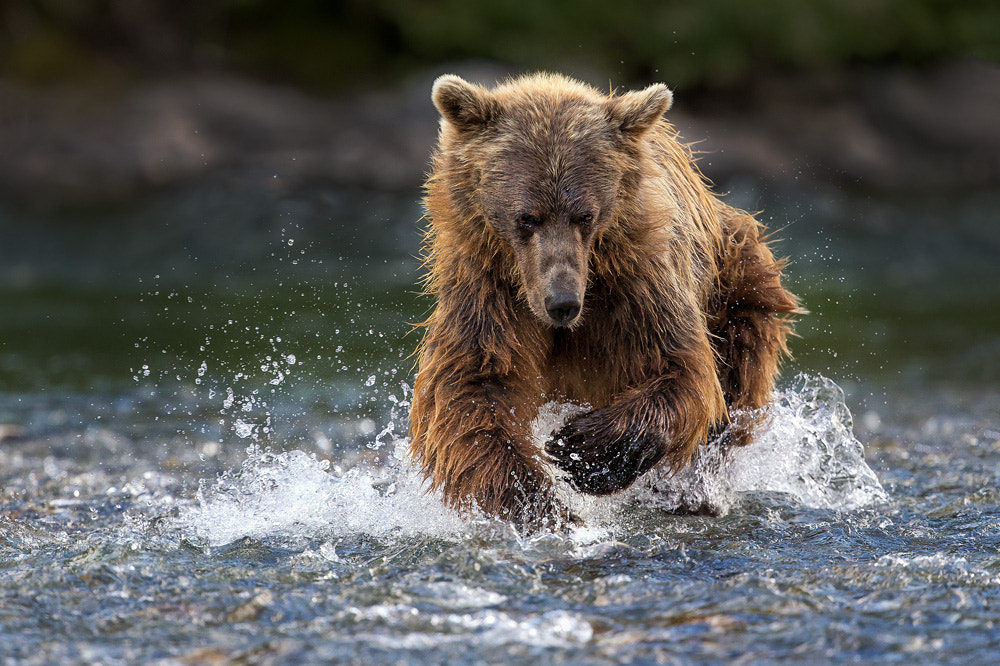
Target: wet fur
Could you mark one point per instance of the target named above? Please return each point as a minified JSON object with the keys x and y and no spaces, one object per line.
{"x":684,"y":317}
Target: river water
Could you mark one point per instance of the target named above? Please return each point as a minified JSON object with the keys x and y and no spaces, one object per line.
{"x":203,"y":402}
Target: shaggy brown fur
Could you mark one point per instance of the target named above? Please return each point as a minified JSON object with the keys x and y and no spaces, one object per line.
{"x":576,"y":253}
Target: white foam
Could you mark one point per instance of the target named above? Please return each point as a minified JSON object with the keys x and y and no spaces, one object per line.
{"x":806,"y":451}
{"x":936,"y":568}
{"x":809,"y":451}
{"x":492,"y":628}
{"x":294,"y":494}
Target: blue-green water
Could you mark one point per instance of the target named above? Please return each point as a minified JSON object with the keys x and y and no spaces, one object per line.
{"x":202,"y":417}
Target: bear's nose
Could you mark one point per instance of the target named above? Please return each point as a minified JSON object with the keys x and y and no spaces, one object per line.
{"x":563,"y":307}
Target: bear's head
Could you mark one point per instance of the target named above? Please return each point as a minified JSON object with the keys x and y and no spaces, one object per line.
{"x":545,"y":162}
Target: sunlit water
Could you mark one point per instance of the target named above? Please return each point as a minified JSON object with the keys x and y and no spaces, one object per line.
{"x":230,"y":482}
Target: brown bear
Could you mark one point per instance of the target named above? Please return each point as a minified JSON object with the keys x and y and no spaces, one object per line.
{"x":576,"y":254}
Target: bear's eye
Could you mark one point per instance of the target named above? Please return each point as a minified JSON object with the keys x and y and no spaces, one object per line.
{"x":527,"y":224}
{"x":585,"y":219}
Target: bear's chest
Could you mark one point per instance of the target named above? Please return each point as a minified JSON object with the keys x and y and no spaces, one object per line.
{"x":593,"y":363}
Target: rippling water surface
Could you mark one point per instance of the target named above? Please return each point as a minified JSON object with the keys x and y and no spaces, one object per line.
{"x":202,"y":455}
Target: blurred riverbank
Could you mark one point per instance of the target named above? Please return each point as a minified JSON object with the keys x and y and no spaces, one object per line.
{"x":876,"y":128}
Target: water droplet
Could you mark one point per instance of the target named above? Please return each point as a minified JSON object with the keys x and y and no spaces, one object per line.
{"x":242,"y":428}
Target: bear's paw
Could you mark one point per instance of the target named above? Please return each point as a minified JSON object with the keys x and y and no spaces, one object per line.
{"x":600,"y":456}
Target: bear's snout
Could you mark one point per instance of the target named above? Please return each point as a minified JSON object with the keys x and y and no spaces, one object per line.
{"x":563,"y":307}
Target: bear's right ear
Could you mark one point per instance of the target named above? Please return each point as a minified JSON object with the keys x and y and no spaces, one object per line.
{"x":464,"y":105}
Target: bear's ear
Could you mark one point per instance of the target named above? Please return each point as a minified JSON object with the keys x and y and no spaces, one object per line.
{"x":464,"y":105}
{"x":636,"y":112}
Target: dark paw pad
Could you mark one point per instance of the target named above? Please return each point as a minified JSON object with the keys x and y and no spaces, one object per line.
{"x":600,"y":459}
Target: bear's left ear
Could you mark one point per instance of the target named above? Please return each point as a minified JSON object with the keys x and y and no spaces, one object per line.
{"x":463,"y":104}
{"x":636,"y":112}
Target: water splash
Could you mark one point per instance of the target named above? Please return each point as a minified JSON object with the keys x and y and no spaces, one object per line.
{"x":806,"y":451}
{"x":809,"y":451}
{"x":294,"y":494}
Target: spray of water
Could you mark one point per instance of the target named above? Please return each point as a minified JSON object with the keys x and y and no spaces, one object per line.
{"x":806,"y":451}
{"x":294,"y":494}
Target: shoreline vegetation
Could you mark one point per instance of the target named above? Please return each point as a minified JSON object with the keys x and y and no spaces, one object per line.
{"x":104,"y":101}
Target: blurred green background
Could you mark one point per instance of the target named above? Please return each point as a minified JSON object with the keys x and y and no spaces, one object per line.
{"x":183,"y":183}
{"x":327,"y":45}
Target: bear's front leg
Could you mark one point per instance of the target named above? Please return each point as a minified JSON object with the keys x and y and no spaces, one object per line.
{"x":471,"y":433}
{"x":605,"y":450}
